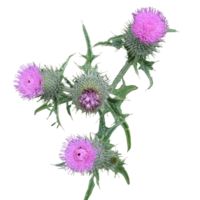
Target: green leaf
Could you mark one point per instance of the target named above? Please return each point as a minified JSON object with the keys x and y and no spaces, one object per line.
{"x":98,"y":177}
{"x":65,"y":63}
{"x":115,"y":110}
{"x":112,"y":41}
{"x":124,"y":90}
{"x":102,"y":126}
{"x":57,"y":123}
{"x":96,"y":56}
{"x":59,"y":165}
{"x":171,"y":30}
{"x":86,"y":68}
{"x":115,"y":100}
{"x":111,"y":130}
{"x":68,"y":82}
{"x":68,"y":110}
{"x":146,"y":66}
{"x":135,"y":65}
{"x":81,"y":55}
{"x":106,"y":43}
{"x":50,"y":113}
{"x":56,"y":110}
{"x":42,"y":107}
{"x":122,"y":171}
{"x":113,"y":107}
{"x":63,"y":98}
{"x":128,"y":137}
{"x":136,"y":71}
{"x":89,"y":49}
{"x":90,"y":188}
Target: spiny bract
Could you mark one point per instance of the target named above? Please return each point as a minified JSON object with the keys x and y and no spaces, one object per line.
{"x":89,"y":92}
{"x":53,"y":84}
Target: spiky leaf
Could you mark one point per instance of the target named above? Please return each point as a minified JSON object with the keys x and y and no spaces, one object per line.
{"x":89,"y":47}
{"x":114,"y":108}
{"x":64,"y":65}
{"x":43,"y":107}
{"x":110,"y":130}
{"x":112,"y":41}
{"x":96,"y":56}
{"x":57,"y":123}
{"x":102,"y":126}
{"x":124,"y":90}
{"x":90,"y":188}
{"x":59,"y":165}
{"x":173,"y":30}
{"x":128,"y":137}
{"x":122,"y":171}
{"x":146,"y":66}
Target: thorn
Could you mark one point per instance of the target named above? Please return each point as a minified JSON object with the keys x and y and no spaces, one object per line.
{"x":63,"y":128}
{"x":155,"y":70}
{"x":127,"y":157}
{"x":139,"y":77}
{"x":112,"y":32}
{"x":82,"y":22}
{"x":99,"y":187}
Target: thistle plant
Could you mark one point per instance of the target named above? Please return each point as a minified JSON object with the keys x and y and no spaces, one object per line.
{"x":92,"y":93}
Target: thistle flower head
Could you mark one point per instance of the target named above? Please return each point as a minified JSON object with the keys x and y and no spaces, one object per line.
{"x":149,"y":25}
{"x":79,"y":154}
{"x":142,"y":36}
{"x":90,"y":92}
{"x":29,"y":81}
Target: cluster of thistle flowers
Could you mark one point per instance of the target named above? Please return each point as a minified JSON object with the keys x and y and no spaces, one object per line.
{"x":90,"y":92}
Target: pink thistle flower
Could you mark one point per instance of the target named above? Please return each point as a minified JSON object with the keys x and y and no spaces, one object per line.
{"x":79,"y":154}
{"x":29,"y":83}
{"x":149,"y":25}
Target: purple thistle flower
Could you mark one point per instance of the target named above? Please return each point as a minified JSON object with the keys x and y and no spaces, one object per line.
{"x":78,"y":154}
{"x":29,"y":83}
{"x":150,"y":24}
{"x":90,"y":99}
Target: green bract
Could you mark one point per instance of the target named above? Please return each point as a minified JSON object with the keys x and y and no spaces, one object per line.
{"x":53,"y":85}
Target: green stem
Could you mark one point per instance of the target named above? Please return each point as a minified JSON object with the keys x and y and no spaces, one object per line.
{"x":58,"y":113}
{"x":120,"y":75}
